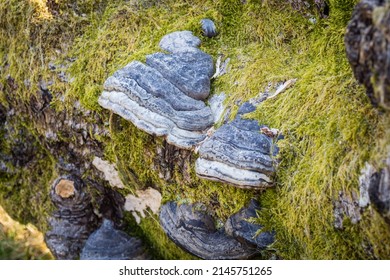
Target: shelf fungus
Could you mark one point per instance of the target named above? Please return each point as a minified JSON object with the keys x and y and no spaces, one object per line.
{"x":208,"y":28}
{"x":240,"y":227}
{"x":74,"y":220}
{"x":193,"y":229}
{"x":239,"y":153}
{"x":108,"y":243}
{"x":164,"y":97}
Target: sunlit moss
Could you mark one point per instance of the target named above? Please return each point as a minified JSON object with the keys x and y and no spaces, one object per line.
{"x":19,"y":241}
{"x":25,"y":189}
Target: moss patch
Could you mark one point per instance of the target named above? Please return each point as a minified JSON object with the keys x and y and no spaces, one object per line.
{"x":20,"y":242}
{"x":24,"y":188}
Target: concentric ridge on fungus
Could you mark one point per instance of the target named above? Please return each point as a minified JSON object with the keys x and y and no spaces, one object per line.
{"x":108,"y":243}
{"x":74,"y":219}
{"x":239,"y":154}
{"x":164,"y":97}
{"x":193,"y":229}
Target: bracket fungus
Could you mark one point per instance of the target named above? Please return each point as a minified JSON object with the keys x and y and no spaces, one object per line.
{"x":193,"y":229}
{"x":108,"y":243}
{"x":74,"y":220}
{"x":208,"y":28}
{"x":189,"y":71}
{"x":164,"y":97}
{"x":179,"y":41}
{"x":239,"y":226}
{"x":238,"y":153}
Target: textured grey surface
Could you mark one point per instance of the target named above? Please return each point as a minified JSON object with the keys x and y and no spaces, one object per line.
{"x":379,"y":191}
{"x":364,"y":183}
{"x":108,"y":243}
{"x":179,"y":41}
{"x":221,"y":172}
{"x":217,"y":107}
{"x":240,"y":227}
{"x":72,"y":223}
{"x":346,"y":207}
{"x":150,"y":121}
{"x":238,"y":153}
{"x":220,"y":149}
{"x":208,"y":28}
{"x":188,"y":71}
{"x":191,"y":228}
{"x":143,"y":84}
{"x":367,"y":43}
{"x":161,"y":98}
{"x":246,"y":108}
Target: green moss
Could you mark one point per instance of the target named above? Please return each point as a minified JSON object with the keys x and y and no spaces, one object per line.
{"x":24,"y":191}
{"x":134,"y":151}
{"x":10,"y":249}
{"x":330,"y":132}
